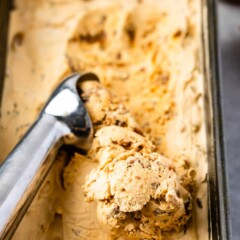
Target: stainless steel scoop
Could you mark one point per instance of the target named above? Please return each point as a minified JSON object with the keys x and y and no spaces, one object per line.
{"x":64,"y":120}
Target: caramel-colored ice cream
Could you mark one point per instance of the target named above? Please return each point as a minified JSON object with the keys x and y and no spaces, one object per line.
{"x":148,"y":54}
{"x":139,"y":193}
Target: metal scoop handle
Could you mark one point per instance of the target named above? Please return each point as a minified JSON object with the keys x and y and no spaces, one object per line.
{"x":24,"y":170}
{"x":63,"y":120}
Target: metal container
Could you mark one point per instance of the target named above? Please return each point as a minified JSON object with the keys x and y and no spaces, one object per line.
{"x":218,"y":217}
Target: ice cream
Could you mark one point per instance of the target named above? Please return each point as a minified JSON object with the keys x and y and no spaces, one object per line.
{"x":139,"y":193}
{"x":146,"y":52}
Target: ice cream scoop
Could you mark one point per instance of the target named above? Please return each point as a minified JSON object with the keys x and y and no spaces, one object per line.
{"x":63,"y":120}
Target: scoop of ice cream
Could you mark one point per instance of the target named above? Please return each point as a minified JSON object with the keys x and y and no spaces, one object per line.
{"x":139,"y":193}
{"x":144,"y":183}
{"x":104,"y":108}
{"x":110,"y":141}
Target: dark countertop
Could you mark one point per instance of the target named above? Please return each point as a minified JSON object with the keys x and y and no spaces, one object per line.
{"x":229,"y":33}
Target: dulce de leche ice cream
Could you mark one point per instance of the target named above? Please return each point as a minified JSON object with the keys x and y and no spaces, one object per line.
{"x":145,"y":176}
{"x":139,"y":193}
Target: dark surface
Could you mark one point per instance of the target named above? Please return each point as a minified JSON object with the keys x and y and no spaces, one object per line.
{"x":4,"y":6}
{"x":229,"y":33}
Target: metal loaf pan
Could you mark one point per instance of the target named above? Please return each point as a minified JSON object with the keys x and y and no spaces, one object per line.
{"x":219,"y":226}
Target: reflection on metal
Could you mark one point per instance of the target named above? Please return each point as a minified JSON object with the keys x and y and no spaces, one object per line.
{"x":65,"y":103}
